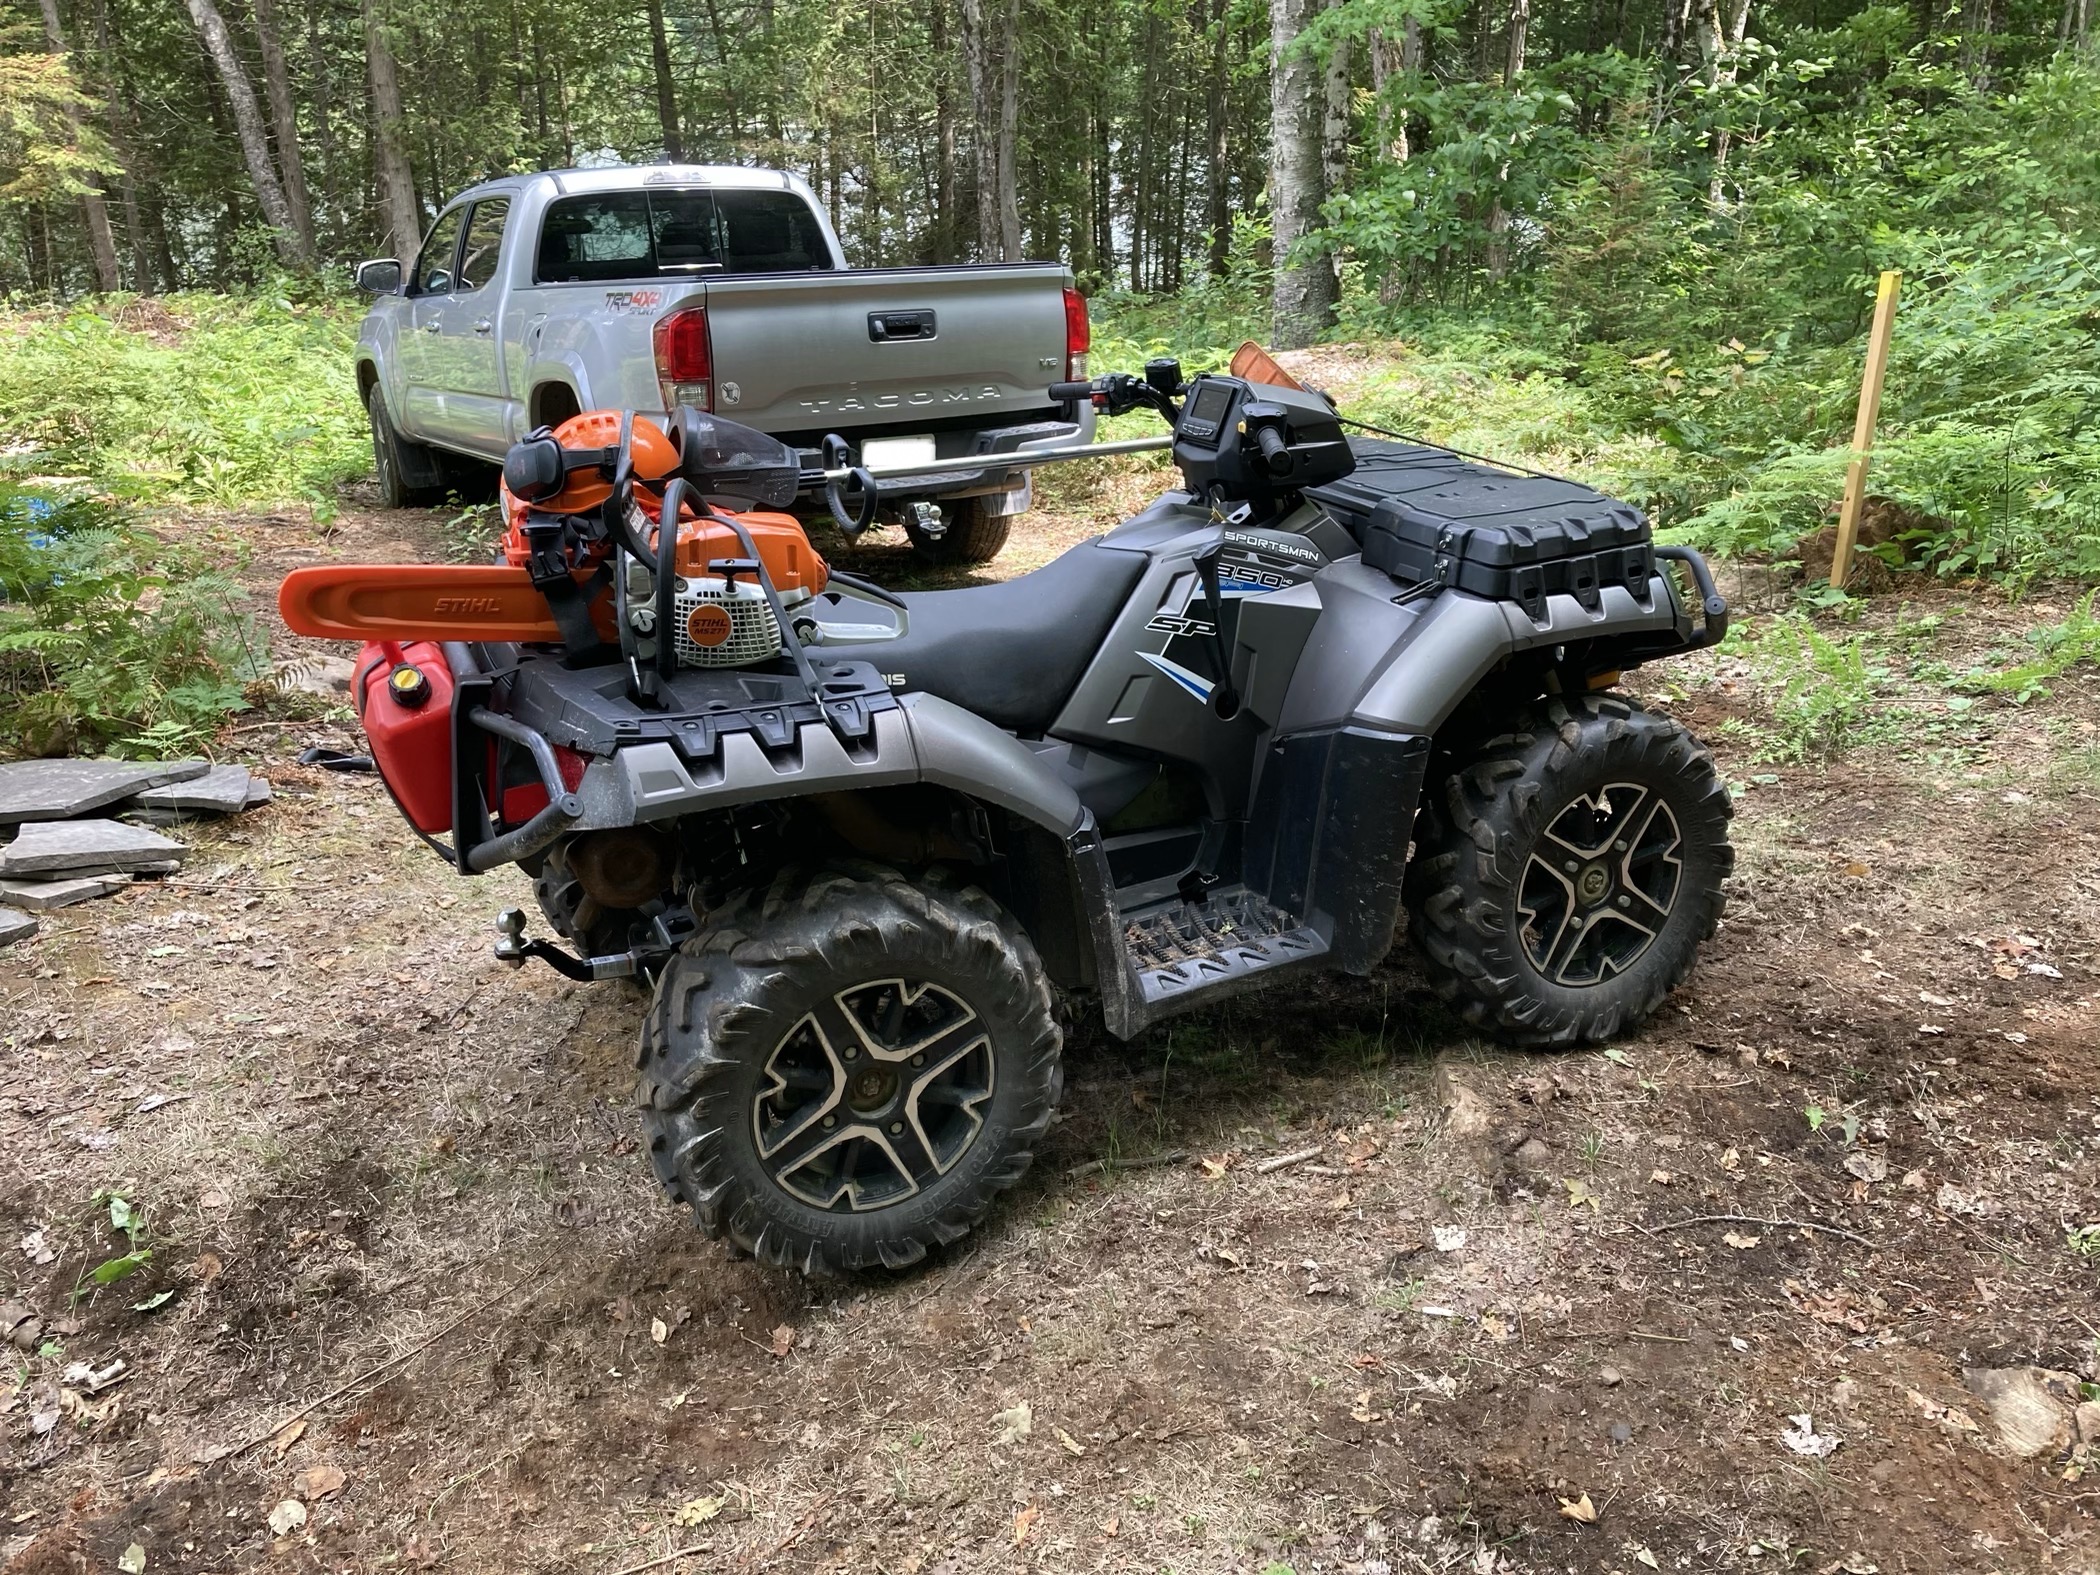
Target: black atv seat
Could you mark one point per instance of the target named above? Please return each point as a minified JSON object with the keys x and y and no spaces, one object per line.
{"x":1013,"y":652}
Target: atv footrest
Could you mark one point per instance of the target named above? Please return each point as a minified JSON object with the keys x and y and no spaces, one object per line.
{"x":1179,"y":948}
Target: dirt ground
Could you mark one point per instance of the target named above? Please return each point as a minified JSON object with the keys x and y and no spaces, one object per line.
{"x":410,"y":1275}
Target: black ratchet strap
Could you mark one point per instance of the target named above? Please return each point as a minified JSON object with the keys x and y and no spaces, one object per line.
{"x":548,"y":539}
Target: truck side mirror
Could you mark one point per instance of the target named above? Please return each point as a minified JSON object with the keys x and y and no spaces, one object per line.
{"x":380,"y":276}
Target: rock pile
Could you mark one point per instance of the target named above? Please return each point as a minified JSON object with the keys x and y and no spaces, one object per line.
{"x":64,"y":846}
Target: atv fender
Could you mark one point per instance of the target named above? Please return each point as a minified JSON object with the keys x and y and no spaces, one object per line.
{"x":923,"y":739}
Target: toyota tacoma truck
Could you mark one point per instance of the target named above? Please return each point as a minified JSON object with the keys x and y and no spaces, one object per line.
{"x":536,"y":297}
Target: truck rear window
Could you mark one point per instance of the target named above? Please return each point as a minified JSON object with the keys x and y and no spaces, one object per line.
{"x":673,"y":233}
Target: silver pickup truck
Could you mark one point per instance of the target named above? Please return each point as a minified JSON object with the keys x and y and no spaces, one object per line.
{"x":535,"y":297}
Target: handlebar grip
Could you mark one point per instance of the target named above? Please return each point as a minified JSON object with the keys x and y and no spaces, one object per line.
{"x":1066,"y":392}
{"x":1274,"y":449}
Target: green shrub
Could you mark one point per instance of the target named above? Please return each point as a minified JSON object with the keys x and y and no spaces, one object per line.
{"x":190,"y":398}
{"x":112,"y":640}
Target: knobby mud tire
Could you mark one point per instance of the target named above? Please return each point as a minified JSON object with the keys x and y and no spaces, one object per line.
{"x":729,"y":1000}
{"x":1484,"y":817}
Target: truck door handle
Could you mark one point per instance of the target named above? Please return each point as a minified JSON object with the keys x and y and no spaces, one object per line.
{"x":883,"y":327}
{"x":483,"y":326}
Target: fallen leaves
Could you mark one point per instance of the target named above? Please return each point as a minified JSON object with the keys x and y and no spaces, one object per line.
{"x":319,"y":1482}
{"x":698,"y":1511}
{"x":659,"y":1331}
{"x":783,"y":1340}
{"x":1579,"y":1509}
{"x":287,"y":1517}
{"x":1073,"y":1446}
{"x":1013,"y":1424}
{"x":1581,"y":1194}
{"x":1024,"y":1522}
{"x":132,"y":1561}
{"x":1741,"y":1242}
{"x":289,"y":1434}
{"x":1950,"y":1417}
{"x":1803,"y":1439}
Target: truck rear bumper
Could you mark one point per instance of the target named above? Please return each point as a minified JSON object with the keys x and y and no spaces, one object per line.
{"x":999,"y":474}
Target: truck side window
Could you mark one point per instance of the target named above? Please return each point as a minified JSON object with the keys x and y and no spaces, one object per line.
{"x":589,"y":238}
{"x":477,"y":261}
{"x":434,"y":265}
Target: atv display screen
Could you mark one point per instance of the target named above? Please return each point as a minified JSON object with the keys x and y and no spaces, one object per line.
{"x":1204,"y":416}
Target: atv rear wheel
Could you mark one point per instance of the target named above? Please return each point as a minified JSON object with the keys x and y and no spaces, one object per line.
{"x":846,"y":1067}
{"x":970,"y":533}
{"x":1565,"y":875}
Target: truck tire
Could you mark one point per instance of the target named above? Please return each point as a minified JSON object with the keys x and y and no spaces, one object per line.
{"x":410,"y":475}
{"x":1566,"y":874}
{"x":970,"y":534}
{"x":847,"y":1066}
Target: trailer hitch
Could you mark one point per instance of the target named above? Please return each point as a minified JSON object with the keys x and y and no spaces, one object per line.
{"x":667,"y":932}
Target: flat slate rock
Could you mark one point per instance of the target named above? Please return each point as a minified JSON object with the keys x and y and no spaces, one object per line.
{"x":15,"y":925}
{"x":42,"y":894}
{"x":223,"y":790}
{"x":258,"y":791}
{"x":63,"y":847}
{"x":60,"y":789}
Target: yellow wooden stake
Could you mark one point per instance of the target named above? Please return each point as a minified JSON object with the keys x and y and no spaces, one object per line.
{"x":1863,"y":428}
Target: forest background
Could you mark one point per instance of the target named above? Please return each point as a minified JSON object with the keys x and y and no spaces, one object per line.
{"x":1633,"y":238}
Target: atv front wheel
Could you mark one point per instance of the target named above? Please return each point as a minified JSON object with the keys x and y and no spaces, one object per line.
{"x":1565,"y":875}
{"x":845,"y":1068}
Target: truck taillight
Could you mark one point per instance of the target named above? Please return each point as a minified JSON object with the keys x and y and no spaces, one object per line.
{"x":1079,"y":335}
{"x":684,"y":359}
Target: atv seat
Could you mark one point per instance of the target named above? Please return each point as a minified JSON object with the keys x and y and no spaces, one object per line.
{"x":1014,"y":652}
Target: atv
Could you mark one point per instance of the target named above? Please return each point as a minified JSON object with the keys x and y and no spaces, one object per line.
{"x":870,"y":852}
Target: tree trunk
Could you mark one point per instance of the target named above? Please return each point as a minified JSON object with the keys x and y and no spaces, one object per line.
{"x":1390,"y":65}
{"x":322,"y":97}
{"x":945,"y":249}
{"x":1334,"y":121}
{"x":984,"y":115}
{"x":666,"y":84}
{"x":94,"y":212}
{"x":1720,"y":45}
{"x":292,"y":248}
{"x":120,"y":125}
{"x":1304,"y":303}
{"x":397,"y":180}
{"x":1217,"y":202}
{"x":1513,"y":68}
{"x":284,"y":121}
{"x":1009,"y":128}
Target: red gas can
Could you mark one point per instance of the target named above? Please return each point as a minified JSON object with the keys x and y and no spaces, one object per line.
{"x":404,"y":695}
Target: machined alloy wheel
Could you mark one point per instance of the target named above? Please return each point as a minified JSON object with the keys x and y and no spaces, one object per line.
{"x":874,"y":1096}
{"x":1600,"y":884}
{"x":847,"y":1066}
{"x":1566,"y":873}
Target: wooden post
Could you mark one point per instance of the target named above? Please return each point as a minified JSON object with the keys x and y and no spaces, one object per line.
{"x":1863,"y":428}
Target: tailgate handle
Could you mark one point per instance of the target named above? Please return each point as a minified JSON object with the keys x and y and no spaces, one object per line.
{"x":886,"y":326}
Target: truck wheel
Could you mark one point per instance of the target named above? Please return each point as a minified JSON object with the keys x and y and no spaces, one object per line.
{"x":410,"y":475}
{"x":847,"y":1067}
{"x":970,"y":534}
{"x":1565,"y":874}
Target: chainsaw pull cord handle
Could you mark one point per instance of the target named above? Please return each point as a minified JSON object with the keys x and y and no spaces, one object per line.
{"x":667,"y":577}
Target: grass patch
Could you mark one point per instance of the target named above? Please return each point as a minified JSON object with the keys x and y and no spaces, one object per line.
{"x":197,"y":399}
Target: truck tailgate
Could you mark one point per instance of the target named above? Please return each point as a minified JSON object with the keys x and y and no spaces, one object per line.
{"x":907,"y":349}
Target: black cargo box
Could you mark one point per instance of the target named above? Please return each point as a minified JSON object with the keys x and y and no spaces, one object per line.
{"x":1428,"y":517}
